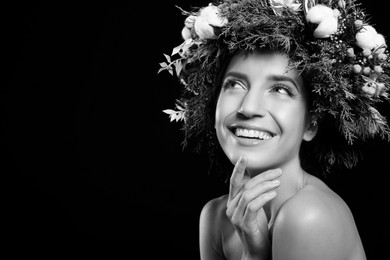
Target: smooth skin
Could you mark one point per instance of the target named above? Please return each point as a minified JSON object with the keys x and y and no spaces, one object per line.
{"x":274,"y":209}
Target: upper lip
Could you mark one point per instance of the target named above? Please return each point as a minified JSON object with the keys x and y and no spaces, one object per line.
{"x":249,"y":127}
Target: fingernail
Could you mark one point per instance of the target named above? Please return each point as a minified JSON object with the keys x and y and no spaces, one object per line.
{"x":241,"y":159}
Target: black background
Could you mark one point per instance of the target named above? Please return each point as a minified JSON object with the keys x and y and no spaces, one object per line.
{"x":87,"y":154}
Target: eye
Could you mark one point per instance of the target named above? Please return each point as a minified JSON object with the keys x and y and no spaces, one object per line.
{"x":233,"y":84}
{"x":282,"y":89}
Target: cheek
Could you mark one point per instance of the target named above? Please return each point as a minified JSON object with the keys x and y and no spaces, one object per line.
{"x":218,"y":112}
{"x":226,"y":105}
{"x":292,"y":118}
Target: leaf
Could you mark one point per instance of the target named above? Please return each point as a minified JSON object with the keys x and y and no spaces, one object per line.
{"x":174,"y":115}
{"x":180,"y":116}
{"x":179,"y":107}
{"x":177,"y":49}
{"x":178,"y":67}
{"x":169,"y":111}
{"x":170,"y":70}
{"x":188,"y":41}
{"x":161,"y":69}
{"x":167,"y":57}
{"x":163,"y":64}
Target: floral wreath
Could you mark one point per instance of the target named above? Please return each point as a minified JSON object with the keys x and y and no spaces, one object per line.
{"x":342,"y":57}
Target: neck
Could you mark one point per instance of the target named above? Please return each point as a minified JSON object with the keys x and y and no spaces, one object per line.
{"x":291,"y":181}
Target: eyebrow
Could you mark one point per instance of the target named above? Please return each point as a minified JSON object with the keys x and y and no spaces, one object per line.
{"x":271,"y":77}
{"x":236,"y":75}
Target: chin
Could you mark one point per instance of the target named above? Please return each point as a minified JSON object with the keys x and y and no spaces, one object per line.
{"x":260,"y":164}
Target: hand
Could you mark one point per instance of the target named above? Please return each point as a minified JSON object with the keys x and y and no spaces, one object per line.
{"x":247,"y":196}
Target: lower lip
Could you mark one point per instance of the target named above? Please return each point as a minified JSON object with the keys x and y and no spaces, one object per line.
{"x":248,"y":141}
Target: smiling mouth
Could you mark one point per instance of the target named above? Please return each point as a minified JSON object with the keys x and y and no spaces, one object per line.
{"x":251,"y":133}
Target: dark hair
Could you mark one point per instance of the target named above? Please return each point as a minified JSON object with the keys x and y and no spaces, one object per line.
{"x":343,"y":111}
{"x":312,"y":153}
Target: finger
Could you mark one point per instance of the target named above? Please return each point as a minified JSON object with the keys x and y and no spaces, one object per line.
{"x":237,"y":177}
{"x":262,"y":177}
{"x":261,"y":190}
{"x":231,"y":206}
{"x":253,"y":208}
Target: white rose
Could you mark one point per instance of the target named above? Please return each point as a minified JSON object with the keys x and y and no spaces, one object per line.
{"x":318,"y":13}
{"x":368,"y":38}
{"x":326,"y":18}
{"x":208,"y":18}
{"x":326,"y":28}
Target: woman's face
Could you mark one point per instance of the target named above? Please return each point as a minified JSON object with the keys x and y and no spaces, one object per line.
{"x":261,"y":111}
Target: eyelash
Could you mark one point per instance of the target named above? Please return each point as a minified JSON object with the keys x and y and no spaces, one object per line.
{"x":229,"y":83}
{"x":286,"y":88}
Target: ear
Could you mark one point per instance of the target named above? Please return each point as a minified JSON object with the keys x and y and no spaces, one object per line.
{"x":311,"y":132}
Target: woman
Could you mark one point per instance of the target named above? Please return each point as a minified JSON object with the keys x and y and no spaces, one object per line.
{"x":285,"y":88}
{"x":261,"y":120}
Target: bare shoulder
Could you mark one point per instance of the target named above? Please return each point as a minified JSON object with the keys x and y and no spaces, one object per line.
{"x":211,"y":225}
{"x":317,"y":220}
{"x":216,"y":205}
{"x":213,"y":215}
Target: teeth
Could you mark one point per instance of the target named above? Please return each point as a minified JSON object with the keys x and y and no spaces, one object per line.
{"x":252,"y":134}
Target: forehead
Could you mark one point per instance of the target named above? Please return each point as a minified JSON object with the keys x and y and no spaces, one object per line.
{"x":262,"y":63}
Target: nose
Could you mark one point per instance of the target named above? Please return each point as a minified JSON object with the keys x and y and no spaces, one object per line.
{"x":253,"y":104}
